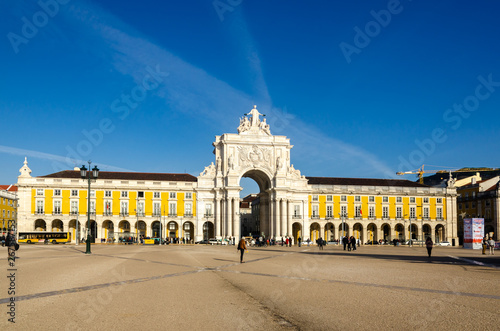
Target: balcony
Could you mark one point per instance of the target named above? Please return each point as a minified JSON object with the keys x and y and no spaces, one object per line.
{"x":315,"y":216}
{"x":39,"y":212}
{"x":172,"y":215}
{"x":124,"y":214}
{"x":358,"y":217}
{"x":188,"y":215}
{"x":297,"y":216}
{"x":107,"y":213}
{"x":208,"y":215}
{"x":56,"y":212}
{"x":140,"y":214}
{"x":156,"y":214}
{"x":73,"y":212}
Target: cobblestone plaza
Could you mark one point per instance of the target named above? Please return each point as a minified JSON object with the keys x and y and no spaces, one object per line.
{"x":205,"y":287}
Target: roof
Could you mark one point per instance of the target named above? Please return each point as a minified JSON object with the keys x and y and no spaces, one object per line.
{"x":127,"y":176}
{"x":362,"y":182}
{"x":9,"y":188}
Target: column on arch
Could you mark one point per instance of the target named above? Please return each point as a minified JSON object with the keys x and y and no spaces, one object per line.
{"x":277,"y":205}
{"x":289,"y":218}
{"x":364,"y":230}
{"x":229,"y":218}
{"x":272,"y":203}
{"x":236,"y":219}
{"x":284,"y":231}
{"x":217,"y":220}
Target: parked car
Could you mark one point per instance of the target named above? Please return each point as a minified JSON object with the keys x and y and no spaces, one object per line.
{"x":213,"y":241}
{"x":204,"y":242}
{"x":443,"y":243}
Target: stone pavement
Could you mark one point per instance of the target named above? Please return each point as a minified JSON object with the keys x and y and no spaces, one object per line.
{"x":58,"y":287}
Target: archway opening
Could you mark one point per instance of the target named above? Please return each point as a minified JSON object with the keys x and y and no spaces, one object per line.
{"x":254,"y":205}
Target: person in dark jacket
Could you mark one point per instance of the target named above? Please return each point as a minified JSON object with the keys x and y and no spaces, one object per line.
{"x":242,"y":247}
{"x":10,"y":242}
{"x":353,"y":243}
{"x":345,"y":241}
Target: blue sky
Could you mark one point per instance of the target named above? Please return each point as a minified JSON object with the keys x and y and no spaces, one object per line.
{"x":362,"y":88}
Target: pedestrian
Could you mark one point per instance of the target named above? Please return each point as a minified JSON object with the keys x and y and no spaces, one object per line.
{"x":428,"y":245}
{"x":300,"y":241}
{"x":320,"y":243}
{"x":485,"y":244}
{"x":242,"y":247}
{"x":353,"y":243}
{"x":10,"y":242}
{"x":345,"y":241}
{"x":491,"y":245}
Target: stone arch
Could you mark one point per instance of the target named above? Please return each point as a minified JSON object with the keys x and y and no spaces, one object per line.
{"x":344,"y":230}
{"x":400,"y":231}
{"x":314,"y":232}
{"x":40,"y":225}
{"x":208,"y":230}
{"x":357,"y":231}
{"x":108,"y":231}
{"x":57,"y":225}
{"x":297,"y":232}
{"x":329,"y":231}
{"x":371,"y":232}
{"x":188,"y":231}
{"x":427,"y":231}
{"x":439,"y":233}
{"x":172,"y":228}
{"x":386,"y":232}
{"x":75,"y":228}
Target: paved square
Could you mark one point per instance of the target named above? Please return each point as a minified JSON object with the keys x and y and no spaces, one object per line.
{"x":205,"y":287}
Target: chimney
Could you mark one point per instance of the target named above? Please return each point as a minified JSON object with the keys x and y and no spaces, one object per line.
{"x":473,"y":180}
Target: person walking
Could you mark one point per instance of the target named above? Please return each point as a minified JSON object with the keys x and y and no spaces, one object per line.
{"x":428,"y":245}
{"x":353,"y":243}
{"x":484,"y":244}
{"x":10,"y":242}
{"x":320,"y":243}
{"x":300,"y":241}
{"x":491,"y":245}
{"x":345,"y":242}
{"x":242,"y":247}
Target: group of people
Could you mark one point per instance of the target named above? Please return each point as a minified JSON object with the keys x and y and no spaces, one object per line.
{"x":350,"y":243}
{"x":488,"y":244}
{"x":9,"y":240}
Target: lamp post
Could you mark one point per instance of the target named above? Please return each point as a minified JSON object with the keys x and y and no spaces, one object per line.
{"x":343,"y":215}
{"x":86,"y":175}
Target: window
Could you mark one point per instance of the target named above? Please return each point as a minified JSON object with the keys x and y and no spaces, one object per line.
{"x":315,"y":197}
{"x":107,"y":194}
{"x":173,"y":195}
{"x":74,"y":207}
{"x":343,"y":211}
{"x":92,"y":207}
{"x":371,"y":212}
{"x":315,"y":213}
{"x":412,"y":199}
{"x":329,"y":211}
{"x":358,"y":211}
{"x":156,"y":209}
{"x":57,"y":207}
{"x":124,"y":194}
{"x":385,"y":199}
{"x":459,"y":206}
{"x":439,"y":200}
{"x":140,"y":194}
{"x":426,"y":200}
{"x":426,"y":212}
{"x":343,"y":198}
{"x":39,"y":207}
{"x":208,"y":210}
{"x":439,"y":213}
{"x":74,"y":193}
{"x":357,"y":198}
{"x":124,"y":208}
{"x":57,"y":192}
{"x":329,"y":198}
{"x":189,"y":195}
{"x":156,"y":195}
{"x":385,"y":212}
{"x":107,"y":208}
{"x":39,"y":191}
{"x":399,"y":199}
{"x":399,"y":212}
{"x":296,"y":210}
{"x":371,"y":198}
{"x":92,"y":193}
{"x":172,"y":209}
{"x":140,"y":208}
{"x":188,"y":209}
{"x":412,"y":213}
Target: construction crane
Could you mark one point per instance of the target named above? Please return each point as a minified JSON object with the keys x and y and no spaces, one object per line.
{"x":420,"y":172}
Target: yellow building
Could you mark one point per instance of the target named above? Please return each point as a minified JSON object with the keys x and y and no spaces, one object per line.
{"x":8,"y":207}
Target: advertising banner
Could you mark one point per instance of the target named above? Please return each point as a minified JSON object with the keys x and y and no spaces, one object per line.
{"x":473,"y":232}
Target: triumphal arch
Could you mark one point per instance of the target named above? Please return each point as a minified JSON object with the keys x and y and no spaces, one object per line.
{"x":257,"y":154}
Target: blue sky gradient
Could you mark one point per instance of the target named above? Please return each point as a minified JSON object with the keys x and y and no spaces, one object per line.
{"x":362,"y":89}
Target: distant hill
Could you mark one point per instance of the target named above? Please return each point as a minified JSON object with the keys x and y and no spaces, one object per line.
{"x":440,"y":178}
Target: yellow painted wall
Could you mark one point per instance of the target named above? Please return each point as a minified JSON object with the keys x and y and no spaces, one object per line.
{"x":180,"y":203}
{"x":65,"y":205}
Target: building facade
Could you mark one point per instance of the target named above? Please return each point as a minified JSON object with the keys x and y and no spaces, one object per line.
{"x":287,"y":204}
{"x":8,"y":207}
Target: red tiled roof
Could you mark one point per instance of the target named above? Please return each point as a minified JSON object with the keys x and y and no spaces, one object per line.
{"x":362,"y":181}
{"x":127,"y":176}
{"x":12,"y":188}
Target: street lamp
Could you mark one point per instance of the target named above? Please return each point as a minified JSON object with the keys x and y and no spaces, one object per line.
{"x":343,"y":215}
{"x":89,"y":176}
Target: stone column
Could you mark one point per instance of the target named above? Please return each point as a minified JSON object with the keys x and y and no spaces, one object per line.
{"x":364,"y":230}
{"x":236,"y":219}
{"x":277,"y":205}
{"x":229,"y":219}
{"x":217,"y":220}
{"x":272,"y":204}
{"x":289,"y":218}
